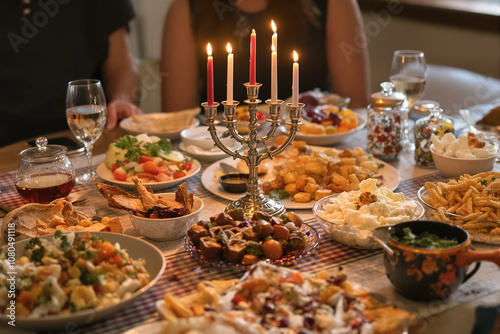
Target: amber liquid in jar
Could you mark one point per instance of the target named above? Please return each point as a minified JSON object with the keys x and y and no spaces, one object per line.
{"x":45,"y":187}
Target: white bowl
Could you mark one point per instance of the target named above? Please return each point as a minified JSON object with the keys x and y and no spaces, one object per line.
{"x":453,"y":167}
{"x":167,"y":228}
{"x":201,"y":138}
{"x":351,"y":236}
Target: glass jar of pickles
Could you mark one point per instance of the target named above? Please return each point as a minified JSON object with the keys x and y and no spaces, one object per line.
{"x":384,"y":124}
{"x":436,"y":123}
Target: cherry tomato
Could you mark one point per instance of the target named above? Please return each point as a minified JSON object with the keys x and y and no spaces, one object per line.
{"x":143,"y":159}
{"x":187,"y":166}
{"x":115,"y":166}
{"x":272,"y":249}
{"x":150,"y":167}
{"x":120,"y":174}
{"x":178,"y":175}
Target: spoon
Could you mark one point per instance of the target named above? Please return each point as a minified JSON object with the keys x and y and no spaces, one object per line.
{"x":78,"y":197}
{"x":465,"y":113}
{"x":380,"y":236}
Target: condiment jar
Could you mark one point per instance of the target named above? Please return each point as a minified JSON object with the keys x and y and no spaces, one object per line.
{"x":436,"y":123}
{"x":384,"y":124}
{"x":44,"y":173}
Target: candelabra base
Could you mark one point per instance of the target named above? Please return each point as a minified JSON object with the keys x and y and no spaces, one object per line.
{"x":249,"y":204}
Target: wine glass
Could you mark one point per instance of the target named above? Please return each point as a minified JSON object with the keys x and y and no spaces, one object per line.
{"x":408,"y":74}
{"x":86,"y":114}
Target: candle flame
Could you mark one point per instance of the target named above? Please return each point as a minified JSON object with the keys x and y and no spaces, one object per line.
{"x":229,"y":48}
{"x":209,"y":49}
{"x":253,"y":31}
{"x":273,"y":26}
{"x":295,"y":56}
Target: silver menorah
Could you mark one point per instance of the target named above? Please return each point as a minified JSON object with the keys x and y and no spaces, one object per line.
{"x":254,"y":200}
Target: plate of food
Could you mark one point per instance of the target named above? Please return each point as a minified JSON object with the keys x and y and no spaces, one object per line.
{"x":326,"y":118}
{"x":34,"y":219}
{"x":232,"y":239}
{"x":163,"y":125}
{"x":471,"y":201}
{"x":303,"y":174}
{"x":148,"y":157}
{"x":90,"y":287}
{"x":265,"y":300}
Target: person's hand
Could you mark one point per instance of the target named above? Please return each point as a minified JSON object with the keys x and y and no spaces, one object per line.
{"x":118,"y":110}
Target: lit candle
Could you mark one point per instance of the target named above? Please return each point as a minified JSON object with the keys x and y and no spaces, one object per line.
{"x":274,"y":64}
{"x":252,"y":80}
{"x":274,"y":75}
{"x":295,"y":82}
{"x":230,"y":65}
{"x":210,"y":76}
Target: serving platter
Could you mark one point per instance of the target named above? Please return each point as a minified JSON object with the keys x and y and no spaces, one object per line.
{"x":162,"y":125}
{"x":312,"y":242}
{"x":390,"y":174}
{"x":105,"y":173}
{"x":330,"y":139}
{"x":136,"y":248}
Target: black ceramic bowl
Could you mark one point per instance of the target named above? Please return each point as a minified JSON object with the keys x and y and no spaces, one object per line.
{"x":234,"y":183}
{"x":428,"y":274}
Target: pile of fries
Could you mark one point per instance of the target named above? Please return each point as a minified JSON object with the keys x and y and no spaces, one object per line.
{"x":472,"y":202}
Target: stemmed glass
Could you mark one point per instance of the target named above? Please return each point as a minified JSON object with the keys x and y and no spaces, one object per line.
{"x":86,"y":114}
{"x":408,"y":74}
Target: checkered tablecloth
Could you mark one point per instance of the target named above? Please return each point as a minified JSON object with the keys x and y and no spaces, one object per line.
{"x":183,"y":272}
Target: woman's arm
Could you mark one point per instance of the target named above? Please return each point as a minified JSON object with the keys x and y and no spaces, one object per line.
{"x":347,"y":52}
{"x":123,"y":86}
{"x":178,"y":64}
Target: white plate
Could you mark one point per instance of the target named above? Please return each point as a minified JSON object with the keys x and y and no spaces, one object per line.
{"x":208,"y":156}
{"x":136,"y":248}
{"x":135,"y":128}
{"x":390,"y":174}
{"x":330,"y":139}
{"x":104,"y":173}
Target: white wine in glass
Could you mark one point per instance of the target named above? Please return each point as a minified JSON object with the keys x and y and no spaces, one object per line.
{"x":408,"y":74}
{"x":86,"y":115}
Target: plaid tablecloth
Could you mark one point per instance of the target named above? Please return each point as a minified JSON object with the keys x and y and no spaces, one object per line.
{"x":183,"y":272}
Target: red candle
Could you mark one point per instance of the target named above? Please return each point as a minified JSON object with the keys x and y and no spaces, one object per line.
{"x":210,"y":76}
{"x":252,"y":80}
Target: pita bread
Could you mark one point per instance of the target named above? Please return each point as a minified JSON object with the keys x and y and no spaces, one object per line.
{"x":33,"y":220}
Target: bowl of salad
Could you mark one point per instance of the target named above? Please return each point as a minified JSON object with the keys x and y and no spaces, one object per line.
{"x":150,"y":158}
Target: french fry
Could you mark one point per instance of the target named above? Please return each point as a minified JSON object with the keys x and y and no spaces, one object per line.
{"x":469,"y":201}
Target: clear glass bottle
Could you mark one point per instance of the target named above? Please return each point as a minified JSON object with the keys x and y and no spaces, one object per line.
{"x":44,"y":173}
{"x":385,"y":123}
{"x":436,"y":123}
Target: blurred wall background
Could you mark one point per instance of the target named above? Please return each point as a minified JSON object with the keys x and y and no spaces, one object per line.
{"x":454,"y":46}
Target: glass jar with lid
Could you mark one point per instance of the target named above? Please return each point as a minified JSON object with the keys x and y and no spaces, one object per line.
{"x":45,"y":173}
{"x":436,"y":123}
{"x":384,"y":123}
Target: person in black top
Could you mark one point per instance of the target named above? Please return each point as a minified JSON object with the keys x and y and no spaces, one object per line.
{"x":328,"y":35}
{"x":48,"y":43}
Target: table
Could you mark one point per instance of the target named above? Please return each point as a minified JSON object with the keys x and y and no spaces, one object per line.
{"x":183,"y":272}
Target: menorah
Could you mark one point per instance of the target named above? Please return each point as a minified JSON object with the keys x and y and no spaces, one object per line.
{"x":254,"y":200}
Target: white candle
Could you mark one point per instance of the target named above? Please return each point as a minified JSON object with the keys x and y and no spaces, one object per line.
{"x":230,"y":66}
{"x":274,"y":76}
{"x":295,"y":82}
{"x":274,"y":65}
